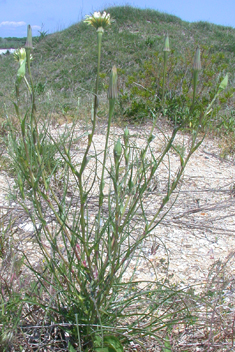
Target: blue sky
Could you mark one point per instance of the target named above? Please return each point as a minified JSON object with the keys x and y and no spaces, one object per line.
{"x":59,"y":14}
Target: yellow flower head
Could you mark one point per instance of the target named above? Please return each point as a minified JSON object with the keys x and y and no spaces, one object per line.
{"x":98,"y":20}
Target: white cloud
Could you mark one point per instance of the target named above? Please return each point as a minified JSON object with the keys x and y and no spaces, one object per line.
{"x":12,"y":24}
{"x":36,"y":27}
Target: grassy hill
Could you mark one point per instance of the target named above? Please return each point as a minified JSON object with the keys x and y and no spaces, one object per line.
{"x":64,"y":62}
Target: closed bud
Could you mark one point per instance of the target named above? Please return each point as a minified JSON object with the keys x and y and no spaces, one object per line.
{"x":166,"y":44}
{"x":112,"y":91}
{"x":126,"y":136}
{"x":29,"y":41}
{"x":197,"y":61}
{"x":117,"y":150}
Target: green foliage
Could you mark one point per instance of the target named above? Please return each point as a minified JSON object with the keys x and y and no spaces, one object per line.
{"x":39,"y":88}
{"x":23,"y":161}
{"x":145,"y":89}
{"x":227,"y":123}
{"x":11,"y":264}
{"x":10,"y":311}
{"x":42,"y":34}
{"x":110,"y":344}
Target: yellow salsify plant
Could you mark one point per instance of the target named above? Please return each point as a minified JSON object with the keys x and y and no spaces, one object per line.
{"x":90,"y":255}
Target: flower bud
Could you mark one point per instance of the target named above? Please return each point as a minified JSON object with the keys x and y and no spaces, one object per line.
{"x":126,"y":136}
{"x":117,"y":150}
{"x":196,"y":68}
{"x":166,"y":44}
{"x":29,"y":41}
{"x":197,"y":61}
{"x":112,"y":91}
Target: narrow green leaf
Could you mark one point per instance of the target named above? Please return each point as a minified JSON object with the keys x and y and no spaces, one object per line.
{"x":167,"y":345}
{"x":23,"y":125}
{"x":114,"y":343}
{"x":71,"y":348}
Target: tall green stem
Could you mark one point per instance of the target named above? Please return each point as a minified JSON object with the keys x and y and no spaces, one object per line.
{"x":101,"y":195}
{"x":111,"y":108}
{"x":84,"y":160}
{"x":90,"y":136}
{"x":100,"y":32}
{"x":195,"y":77}
{"x":31,"y":82}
